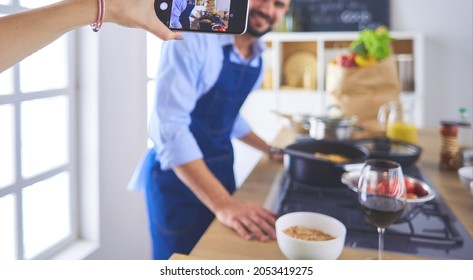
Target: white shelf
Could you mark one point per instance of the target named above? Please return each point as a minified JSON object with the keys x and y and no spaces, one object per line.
{"x":320,"y":44}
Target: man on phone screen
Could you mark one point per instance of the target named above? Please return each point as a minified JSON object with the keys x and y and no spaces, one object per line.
{"x":181,"y":11}
{"x":188,"y":175}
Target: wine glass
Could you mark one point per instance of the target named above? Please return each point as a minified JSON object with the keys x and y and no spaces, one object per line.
{"x":382,"y":194}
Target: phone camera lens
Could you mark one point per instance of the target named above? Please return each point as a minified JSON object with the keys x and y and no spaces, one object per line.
{"x":163,"y":6}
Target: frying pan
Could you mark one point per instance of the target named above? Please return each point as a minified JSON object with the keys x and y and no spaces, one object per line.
{"x":301,"y":164}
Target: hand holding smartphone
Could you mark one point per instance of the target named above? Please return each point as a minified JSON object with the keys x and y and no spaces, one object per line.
{"x":211,"y":16}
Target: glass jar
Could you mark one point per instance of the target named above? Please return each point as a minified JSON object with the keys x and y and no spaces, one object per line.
{"x":449,"y":149}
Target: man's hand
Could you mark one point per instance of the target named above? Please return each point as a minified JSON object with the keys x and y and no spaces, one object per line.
{"x":275,"y":154}
{"x":248,"y":219}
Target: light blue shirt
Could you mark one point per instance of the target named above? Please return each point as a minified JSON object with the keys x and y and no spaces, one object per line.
{"x":178,"y":6}
{"x":187,"y":70}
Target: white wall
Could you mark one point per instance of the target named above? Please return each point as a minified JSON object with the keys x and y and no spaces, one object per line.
{"x":121,"y":141}
{"x":447,"y":25}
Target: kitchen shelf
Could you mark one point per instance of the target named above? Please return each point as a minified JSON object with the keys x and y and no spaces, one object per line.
{"x":303,"y":96}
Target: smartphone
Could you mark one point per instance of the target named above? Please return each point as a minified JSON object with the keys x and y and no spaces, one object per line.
{"x":211,"y":16}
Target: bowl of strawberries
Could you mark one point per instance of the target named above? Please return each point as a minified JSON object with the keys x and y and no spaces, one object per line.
{"x":418,"y":193}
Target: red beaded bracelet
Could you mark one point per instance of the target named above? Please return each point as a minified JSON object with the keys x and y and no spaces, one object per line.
{"x":101,"y":11}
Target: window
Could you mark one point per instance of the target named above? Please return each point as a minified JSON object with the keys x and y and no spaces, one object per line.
{"x":36,"y":132}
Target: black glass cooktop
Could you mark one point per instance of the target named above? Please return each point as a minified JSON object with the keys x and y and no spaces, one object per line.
{"x":431,"y":230}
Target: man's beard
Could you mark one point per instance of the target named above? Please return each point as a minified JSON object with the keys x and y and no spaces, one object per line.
{"x":253,"y":32}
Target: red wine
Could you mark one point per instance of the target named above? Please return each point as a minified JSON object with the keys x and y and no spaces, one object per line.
{"x":382,"y":210}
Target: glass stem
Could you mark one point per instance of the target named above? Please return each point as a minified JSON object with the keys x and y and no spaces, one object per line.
{"x":380,"y":242}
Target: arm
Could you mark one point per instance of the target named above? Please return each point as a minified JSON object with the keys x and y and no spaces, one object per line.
{"x":24,"y":33}
{"x":176,"y":10}
{"x":256,"y":142}
{"x":242,"y":131}
{"x":247,"y":219}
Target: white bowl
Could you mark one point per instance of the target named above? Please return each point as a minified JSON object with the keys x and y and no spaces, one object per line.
{"x":297,"y":249}
{"x":466,"y":175}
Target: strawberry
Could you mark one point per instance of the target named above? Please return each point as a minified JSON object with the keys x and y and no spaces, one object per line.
{"x":410,"y":185}
{"x":419,"y":190}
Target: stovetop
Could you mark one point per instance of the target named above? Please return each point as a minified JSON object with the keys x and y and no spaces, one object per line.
{"x":432,"y":230}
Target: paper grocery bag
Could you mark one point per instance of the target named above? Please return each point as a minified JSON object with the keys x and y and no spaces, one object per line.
{"x":361,"y":92}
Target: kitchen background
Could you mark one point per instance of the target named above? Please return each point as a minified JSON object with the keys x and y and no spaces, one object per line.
{"x":112,"y":104}
{"x":448,"y":55}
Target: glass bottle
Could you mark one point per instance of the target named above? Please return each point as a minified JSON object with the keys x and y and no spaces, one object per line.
{"x":465,"y":137}
{"x":449,"y":149}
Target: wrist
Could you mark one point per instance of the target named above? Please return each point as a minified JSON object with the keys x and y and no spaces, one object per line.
{"x":219,"y":204}
{"x":274,"y":151}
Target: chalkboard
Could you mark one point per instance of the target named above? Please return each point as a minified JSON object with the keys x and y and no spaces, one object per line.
{"x":339,"y":15}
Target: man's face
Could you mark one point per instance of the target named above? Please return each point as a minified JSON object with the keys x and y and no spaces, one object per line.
{"x":264,"y":15}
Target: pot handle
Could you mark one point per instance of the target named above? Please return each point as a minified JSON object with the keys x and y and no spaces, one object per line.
{"x":275,"y":151}
{"x":299,"y":154}
{"x":346,"y":167}
{"x":387,"y":113}
{"x":286,"y":116}
{"x":357,"y":128}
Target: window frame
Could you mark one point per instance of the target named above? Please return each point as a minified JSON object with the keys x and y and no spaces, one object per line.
{"x":16,"y":98}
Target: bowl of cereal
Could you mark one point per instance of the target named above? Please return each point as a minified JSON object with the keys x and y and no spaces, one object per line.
{"x":310,"y":236}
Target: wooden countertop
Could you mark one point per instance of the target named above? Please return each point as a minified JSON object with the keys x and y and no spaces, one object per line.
{"x":220,"y":242}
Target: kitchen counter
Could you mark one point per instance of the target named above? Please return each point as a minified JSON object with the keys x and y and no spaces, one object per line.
{"x":220,"y":242}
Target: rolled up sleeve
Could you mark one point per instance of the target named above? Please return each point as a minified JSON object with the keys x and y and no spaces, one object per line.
{"x":240,"y":127}
{"x":182,"y":149}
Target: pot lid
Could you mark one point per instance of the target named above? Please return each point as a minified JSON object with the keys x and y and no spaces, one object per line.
{"x":382,"y":147}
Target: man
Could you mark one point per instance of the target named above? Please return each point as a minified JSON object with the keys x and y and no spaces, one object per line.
{"x":201,"y":85}
{"x":181,"y":12}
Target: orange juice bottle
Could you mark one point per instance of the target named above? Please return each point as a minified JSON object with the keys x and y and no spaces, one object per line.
{"x":402,"y":131}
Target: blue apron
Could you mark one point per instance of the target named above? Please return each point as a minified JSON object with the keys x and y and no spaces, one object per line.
{"x":184,"y":17}
{"x":177,"y":218}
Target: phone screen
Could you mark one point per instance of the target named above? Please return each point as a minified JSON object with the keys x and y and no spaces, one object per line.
{"x":214,"y":16}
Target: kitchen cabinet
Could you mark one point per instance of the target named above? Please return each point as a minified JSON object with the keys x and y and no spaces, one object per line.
{"x":302,"y":91}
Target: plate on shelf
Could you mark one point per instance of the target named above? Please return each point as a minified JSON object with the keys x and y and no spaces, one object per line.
{"x":300,"y":70}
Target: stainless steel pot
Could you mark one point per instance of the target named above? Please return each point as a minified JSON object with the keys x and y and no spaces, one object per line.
{"x":333,"y":129}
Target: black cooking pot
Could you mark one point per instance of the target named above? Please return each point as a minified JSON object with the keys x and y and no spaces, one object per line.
{"x":301,"y":164}
{"x":382,"y":147}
